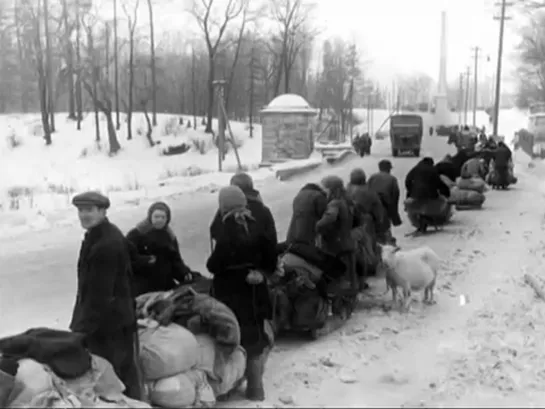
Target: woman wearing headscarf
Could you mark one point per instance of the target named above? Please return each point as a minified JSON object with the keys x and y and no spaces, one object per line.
{"x":155,"y":254}
{"x":335,"y":227}
{"x":242,"y":258}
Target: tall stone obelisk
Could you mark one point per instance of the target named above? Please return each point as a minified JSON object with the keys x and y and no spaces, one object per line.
{"x":442,"y":111}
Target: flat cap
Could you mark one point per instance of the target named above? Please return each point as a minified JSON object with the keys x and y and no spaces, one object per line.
{"x":91,"y":199}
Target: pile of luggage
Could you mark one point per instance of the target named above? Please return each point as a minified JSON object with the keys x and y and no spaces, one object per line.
{"x":467,"y":193}
{"x":190,"y":350}
{"x":45,"y":368}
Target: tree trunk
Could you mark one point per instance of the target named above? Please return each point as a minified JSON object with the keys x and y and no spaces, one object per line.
{"x":210,"y":108}
{"x":149,"y":132}
{"x":69,"y":62}
{"x":79,"y":91}
{"x":107,"y":50}
{"x":42,"y":79}
{"x":152,"y":64}
{"x":23,"y":84}
{"x":131,"y":81}
{"x":112,"y":136}
{"x":116,"y":70}
{"x":49,"y":68}
{"x":193,"y":90}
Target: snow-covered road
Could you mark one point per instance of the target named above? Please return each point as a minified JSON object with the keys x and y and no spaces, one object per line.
{"x":488,"y":351}
{"x":38,"y":269}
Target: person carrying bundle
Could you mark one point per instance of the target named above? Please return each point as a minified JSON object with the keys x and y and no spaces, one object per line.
{"x":242,"y":258}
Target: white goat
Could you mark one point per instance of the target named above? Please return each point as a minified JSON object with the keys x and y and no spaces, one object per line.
{"x":412,"y":270}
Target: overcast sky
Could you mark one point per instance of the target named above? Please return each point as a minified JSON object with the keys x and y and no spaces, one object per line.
{"x":398,"y":36}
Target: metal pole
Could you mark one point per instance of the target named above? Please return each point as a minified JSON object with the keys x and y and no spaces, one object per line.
{"x":460,"y":99}
{"x":498,"y":70}
{"x":466,"y":105}
{"x":475,"y":86}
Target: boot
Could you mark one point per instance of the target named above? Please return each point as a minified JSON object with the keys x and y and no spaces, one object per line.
{"x":255,"y":367}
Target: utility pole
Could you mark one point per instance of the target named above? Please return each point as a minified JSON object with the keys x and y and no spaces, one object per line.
{"x":476,"y":51}
{"x":460,"y":99}
{"x":502,"y":19}
{"x":466,"y":104}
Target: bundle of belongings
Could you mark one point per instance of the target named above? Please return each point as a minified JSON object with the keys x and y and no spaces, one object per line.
{"x":300,"y":289}
{"x":47,"y":368}
{"x":437,"y":212}
{"x":190,"y":349}
{"x":468,"y":190}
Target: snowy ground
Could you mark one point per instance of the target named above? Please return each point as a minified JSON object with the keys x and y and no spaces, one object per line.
{"x":486,"y":352}
{"x":38,"y":182}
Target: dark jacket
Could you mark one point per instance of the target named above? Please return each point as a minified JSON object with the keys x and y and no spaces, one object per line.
{"x":236,"y":252}
{"x":502,"y":156}
{"x":309,"y":206}
{"x":263,"y":217}
{"x":386,"y":187}
{"x":367,"y":202}
{"x":335,"y":226}
{"x":448,"y":169}
{"x":169,"y":267}
{"x":104,"y":300}
{"x":423,"y":183}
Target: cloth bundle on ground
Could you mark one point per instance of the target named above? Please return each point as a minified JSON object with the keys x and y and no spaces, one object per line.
{"x":200,"y":313}
{"x":169,"y":356}
{"x":224,"y":371}
{"x":306,"y":274}
{"x":165,"y":350}
{"x":474,"y":183}
{"x":36,"y":385}
{"x":438,"y":211}
{"x":473,"y":167}
{"x":63,"y":351}
{"x":466,"y":199}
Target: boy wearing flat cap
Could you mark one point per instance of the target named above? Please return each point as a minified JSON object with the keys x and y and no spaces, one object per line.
{"x":104,"y":310}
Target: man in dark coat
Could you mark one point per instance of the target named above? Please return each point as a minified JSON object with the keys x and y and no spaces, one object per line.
{"x":447,"y":168}
{"x":105,"y":309}
{"x":366,"y":201}
{"x":502,"y":157}
{"x":309,"y":206}
{"x":385,"y":185}
{"x":423,"y":182}
{"x":259,"y":210}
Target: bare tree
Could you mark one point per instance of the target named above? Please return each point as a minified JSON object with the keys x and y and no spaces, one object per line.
{"x":116,"y":68}
{"x":152,"y":64}
{"x":531,"y":67}
{"x":98,"y":87}
{"x":131,"y":25}
{"x":214,"y":28}
{"x":69,"y":53}
{"x":292,"y":17}
{"x":49,"y":67}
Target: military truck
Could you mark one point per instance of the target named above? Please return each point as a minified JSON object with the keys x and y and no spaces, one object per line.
{"x":406,"y":132}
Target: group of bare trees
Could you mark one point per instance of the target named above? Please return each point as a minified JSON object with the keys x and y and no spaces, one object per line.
{"x":531,"y":56}
{"x":64,"y":57}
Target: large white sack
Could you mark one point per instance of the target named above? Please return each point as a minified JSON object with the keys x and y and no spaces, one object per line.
{"x":122,"y":403}
{"x":100,"y":380}
{"x":37,"y":386}
{"x":224,"y":371}
{"x":166,"y":351}
{"x":187,"y":389}
{"x":476,"y":184}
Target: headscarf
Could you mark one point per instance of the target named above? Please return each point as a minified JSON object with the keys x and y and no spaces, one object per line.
{"x":232,"y":203}
{"x":145,"y":226}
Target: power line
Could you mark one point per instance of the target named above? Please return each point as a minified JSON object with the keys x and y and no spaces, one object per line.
{"x":502,"y":18}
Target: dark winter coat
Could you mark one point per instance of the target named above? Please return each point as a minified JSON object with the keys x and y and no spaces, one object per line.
{"x":169,"y":268}
{"x":309,"y":206}
{"x":423,"y":183}
{"x":368,"y":203}
{"x":235,"y":254}
{"x":502,"y":156}
{"x":262,"y":215}
{"x":448,"y":169}
{"x":104,"y":301}
{"x":386,"y":187}
{"x":335,"y":226}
